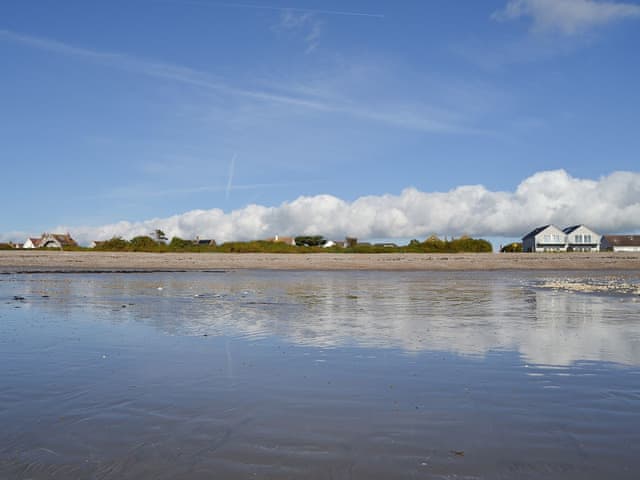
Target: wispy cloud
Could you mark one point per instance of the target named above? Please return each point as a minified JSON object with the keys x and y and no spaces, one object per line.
{"x":344,"y":13}
{"x":426,"y":120}
{"x":232,"y":167}
{"x":568,"y":17}
{"x":305,"y":23}
{"x":545,"y":197}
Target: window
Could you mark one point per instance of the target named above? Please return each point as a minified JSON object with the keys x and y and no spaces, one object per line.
{"x":556,"y":238}
{"x":547,"y":238}
{"x":578,"y":239}
{"x":587,"y":239}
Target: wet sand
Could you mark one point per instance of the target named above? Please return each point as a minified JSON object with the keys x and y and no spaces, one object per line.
{"x":56,"y":261}
{"x":316,"y":375}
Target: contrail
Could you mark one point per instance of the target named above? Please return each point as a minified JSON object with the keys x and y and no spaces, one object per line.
{"x":231,"y":168}
{"x":294,"y":9}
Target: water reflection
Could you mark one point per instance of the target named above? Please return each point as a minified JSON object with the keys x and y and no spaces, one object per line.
{"x":464,"y":313}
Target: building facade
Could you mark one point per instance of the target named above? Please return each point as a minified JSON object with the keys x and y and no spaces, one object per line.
{"x":582,"y":239}
{"x":547,"y":238}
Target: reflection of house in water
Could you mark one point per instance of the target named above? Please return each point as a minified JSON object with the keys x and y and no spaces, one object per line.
{"x":461,"y":313}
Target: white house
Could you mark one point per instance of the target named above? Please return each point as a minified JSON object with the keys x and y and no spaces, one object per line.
{"x":620,"y":243}
{"x":51,"y":240}
{"x":547,"y":238}
{"x":31,"y":243}
{"x":582,"y":239}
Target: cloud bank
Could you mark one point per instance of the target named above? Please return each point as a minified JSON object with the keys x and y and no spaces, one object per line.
{"x":609,"y":204}
{"x":567,"y":16}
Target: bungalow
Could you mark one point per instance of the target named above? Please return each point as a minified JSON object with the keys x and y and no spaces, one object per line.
{"x":547,"y":238}
{"x":620,"y":243}
{"x":582,"y":239}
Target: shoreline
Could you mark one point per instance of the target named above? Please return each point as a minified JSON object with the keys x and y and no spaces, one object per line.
{"x":142,"y":262}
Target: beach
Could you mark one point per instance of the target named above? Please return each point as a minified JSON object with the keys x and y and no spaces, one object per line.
{"x":59,"y":261}
{"x":373,"y":375}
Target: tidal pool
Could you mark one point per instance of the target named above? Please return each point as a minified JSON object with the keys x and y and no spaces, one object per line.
{"x":341,"y":375}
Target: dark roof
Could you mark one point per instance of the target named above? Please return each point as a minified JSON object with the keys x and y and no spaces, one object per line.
{"x":571,"y":229}
{"x":535,"y":231}
{"x":623,"y":240}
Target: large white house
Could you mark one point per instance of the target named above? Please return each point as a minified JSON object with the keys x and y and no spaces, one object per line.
{"x":582,"y":239}
{"x":549,"y":238}
{"x":620,"y":243}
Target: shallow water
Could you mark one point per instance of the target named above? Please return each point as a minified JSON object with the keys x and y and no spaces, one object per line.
{"x":319,"y":375}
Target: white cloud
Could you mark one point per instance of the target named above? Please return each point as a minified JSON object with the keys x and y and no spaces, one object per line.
{"x":567,"y":16}
{"x":610,"y":204}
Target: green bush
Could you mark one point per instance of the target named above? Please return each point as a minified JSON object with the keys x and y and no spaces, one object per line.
{"x":115,"y":243}
{"x":514,"y":247}
{"x":143,"y":243}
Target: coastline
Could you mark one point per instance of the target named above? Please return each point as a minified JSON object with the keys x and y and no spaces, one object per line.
{"x":106,"y":262}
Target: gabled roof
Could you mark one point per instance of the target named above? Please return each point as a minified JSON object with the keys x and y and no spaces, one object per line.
{"x":536,"y":231}
{"x":571,"y":229}
{"x":623,"y":240}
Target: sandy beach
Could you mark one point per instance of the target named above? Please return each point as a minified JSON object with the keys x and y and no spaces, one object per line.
{"x":56,"y":261}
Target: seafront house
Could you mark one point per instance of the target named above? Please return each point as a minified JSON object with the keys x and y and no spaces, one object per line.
{"x":581,"y":239}
{"x":550,"y":238}
{"x":547,"y":238}
{"x":51,"y":240}
{"x":620,"y":243}
{"x":31,"y":242}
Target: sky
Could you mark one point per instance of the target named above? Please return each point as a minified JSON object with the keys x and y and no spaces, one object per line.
{"x":379,"y":119}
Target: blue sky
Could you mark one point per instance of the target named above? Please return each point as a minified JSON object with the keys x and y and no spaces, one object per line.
{"x":147,"y":109}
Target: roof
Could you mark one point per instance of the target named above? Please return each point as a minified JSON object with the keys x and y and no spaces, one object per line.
{"x":64,"y":239}
{"x":571,"y":229}
{"x":623,"y":240}
{"x":536,"y":231}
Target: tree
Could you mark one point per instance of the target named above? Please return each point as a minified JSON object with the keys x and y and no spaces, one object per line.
{"x":159,"y":235}
{"x":310,"y":241}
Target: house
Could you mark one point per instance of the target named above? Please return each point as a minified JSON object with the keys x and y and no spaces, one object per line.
{"x":31,"y":243}
{"x":278,"y":239}
{"x":547,"y":238}
{"x":204,"y":242}
{"x":51,"y":240}
{"x":581,"y":239}
{"x":620,"y":243}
